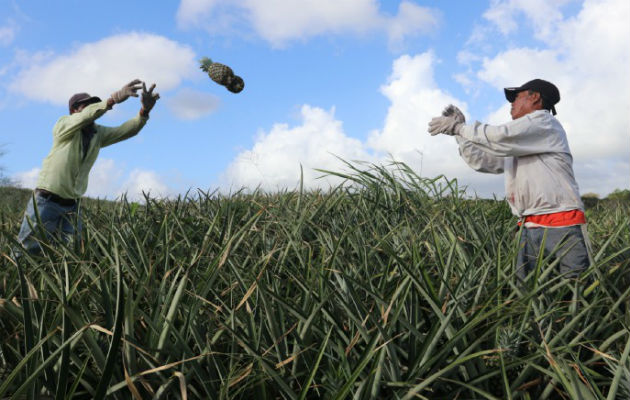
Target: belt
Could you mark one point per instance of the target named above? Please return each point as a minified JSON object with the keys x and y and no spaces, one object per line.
{"x":562,"y":218}
{"x":55,"y":198}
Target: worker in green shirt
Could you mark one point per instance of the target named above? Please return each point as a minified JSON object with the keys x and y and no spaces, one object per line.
{"x":77,"y":140}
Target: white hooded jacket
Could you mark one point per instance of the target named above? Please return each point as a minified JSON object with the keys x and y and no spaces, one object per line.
{"x":533,"y":151}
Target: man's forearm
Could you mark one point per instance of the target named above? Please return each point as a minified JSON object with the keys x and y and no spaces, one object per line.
{"x":144,"y":112}
{"x":69,"y":125}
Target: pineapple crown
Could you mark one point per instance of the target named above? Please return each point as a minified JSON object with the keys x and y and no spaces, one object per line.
{"x":205,"y":64}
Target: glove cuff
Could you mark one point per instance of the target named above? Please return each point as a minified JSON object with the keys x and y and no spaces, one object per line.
{"x":118,"y":97}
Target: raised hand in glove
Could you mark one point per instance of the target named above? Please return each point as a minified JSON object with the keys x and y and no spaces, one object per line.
{"x":455,"y":112}
{"x":449,"y":123}
{"x":148,"y":98}
{"x":129,"y":89}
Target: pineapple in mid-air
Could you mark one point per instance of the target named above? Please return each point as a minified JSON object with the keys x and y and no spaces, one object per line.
{"x":236,"y":85}
{"x":222,"y":74}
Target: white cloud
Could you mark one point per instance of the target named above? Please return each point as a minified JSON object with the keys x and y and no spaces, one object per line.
{"x":143,"y":181}
{"x":105,"y":66}
{"x":104,"y":179}
{"x":190,"y":104}
{"x":27,"y":179}
{"x":282,"y":21}
{"x":411,"y":20}
{"x":594,"y":97}
{"x":514,"y":67}
{"x":8,"y":33}
{"x":415,"y":98}
{"x":464,"y":80}
{"x":543,"y":15}
{"x":274,"y":160}
{"x":109,"y":180}
{"x":593,"y":110}
{"x":193,"y":11}
{"x":587,"y":56}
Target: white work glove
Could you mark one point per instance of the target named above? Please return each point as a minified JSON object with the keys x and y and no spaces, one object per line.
{"x":129,"y":89}
{"x":451,"y":110}
{"x":449,"y":123}
{"x":148,"y":98}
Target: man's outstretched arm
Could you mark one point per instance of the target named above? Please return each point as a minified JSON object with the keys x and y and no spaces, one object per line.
{"x":132,"y":127}
{"x":479,"y":159}
{"x":451,"y":123}
{"x":69,"y":125}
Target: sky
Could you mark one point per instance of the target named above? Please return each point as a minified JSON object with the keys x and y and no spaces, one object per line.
{"x":325,"y":81}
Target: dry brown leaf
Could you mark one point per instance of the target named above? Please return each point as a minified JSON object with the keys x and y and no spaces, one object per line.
{"x":246,"y":371}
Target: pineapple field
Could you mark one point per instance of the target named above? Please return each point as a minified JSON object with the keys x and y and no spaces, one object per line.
{"x":390,"y":286}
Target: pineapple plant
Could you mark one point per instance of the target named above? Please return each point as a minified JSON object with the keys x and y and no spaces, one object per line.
{"x":222,"y":74}
{"x":618,"y":367}
{"x":508,"y":341}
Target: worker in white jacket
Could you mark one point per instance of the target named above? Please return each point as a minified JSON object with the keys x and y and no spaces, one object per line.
{"x":533,"y":152}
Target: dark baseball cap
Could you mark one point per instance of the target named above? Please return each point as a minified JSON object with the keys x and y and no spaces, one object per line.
{"x":548,"y":91}
{"x":80,"y":98}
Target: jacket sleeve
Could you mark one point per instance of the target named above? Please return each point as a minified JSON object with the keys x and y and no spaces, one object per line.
{"x":533,"y":133}
{"x":111,"y":135}
{"x":69,"y":125}
{"x":479,"y":159}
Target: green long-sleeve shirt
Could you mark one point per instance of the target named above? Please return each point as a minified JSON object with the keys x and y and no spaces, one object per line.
{"x":65,"y":170}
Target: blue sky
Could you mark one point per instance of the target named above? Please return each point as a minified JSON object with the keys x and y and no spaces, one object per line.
{"x":356,"y":79}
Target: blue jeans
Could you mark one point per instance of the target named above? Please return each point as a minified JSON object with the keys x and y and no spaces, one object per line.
{"x":56,"y":221}
{"x":568,"y":244}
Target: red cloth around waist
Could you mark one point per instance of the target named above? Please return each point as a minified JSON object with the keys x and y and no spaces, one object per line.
{"x":562,"y":218}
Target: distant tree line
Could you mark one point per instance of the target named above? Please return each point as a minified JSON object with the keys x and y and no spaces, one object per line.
{"x":4,"y":180}
{"x":617,"y":195}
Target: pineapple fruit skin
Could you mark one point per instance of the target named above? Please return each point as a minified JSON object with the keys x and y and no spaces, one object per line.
{"x":222,"y":74}
{"x":236,"y":85}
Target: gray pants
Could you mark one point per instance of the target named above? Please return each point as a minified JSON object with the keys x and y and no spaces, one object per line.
{"x":568,"y":244}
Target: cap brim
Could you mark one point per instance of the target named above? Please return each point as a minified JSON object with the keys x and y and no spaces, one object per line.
{"x":88,"y":101}
{"x":511,"y":93}
{"x":91,"y":100}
